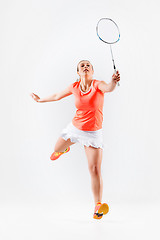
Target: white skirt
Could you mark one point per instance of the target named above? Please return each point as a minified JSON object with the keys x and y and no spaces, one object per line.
{"x":87,"y":138}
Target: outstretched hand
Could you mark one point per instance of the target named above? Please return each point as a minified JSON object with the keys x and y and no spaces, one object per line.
{"x":35,"y":97}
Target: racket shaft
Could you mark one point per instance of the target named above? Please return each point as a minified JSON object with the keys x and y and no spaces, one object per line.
{"x":115,"y":71}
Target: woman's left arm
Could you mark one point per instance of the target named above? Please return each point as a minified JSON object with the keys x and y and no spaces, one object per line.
{"x":109,"y":87}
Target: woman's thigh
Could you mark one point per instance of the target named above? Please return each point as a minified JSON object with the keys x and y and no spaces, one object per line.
{"x":94,"y":157}
{"x":62,"y":144}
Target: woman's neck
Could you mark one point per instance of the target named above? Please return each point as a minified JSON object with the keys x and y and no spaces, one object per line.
{"x":85,"y":83}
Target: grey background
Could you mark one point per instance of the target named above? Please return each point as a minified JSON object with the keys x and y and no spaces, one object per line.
{"x":40,"y":45}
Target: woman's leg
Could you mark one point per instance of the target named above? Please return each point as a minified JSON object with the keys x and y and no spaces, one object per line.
{"x":94,"y":157}
{"x":62,"y":144}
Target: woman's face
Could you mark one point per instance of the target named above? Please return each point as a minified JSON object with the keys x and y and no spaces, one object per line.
{"x":85,"y":68}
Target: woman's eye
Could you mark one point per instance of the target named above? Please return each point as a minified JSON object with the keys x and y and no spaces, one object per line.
{"x":83,"y":65}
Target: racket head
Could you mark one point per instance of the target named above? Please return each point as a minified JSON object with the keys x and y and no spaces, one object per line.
{"x":108,"y":31}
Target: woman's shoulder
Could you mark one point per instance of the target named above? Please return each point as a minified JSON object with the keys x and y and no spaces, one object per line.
{"x":96,"y":82}
{"x":75,"y":84}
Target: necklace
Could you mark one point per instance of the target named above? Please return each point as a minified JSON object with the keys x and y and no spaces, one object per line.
{"x":87,"y":89}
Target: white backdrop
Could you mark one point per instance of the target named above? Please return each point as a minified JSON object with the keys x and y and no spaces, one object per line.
{"x":40,"y":45}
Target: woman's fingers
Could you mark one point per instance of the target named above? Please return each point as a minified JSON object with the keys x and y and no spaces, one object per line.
{"x":34,"y":96}
{"x":116,"y":77}
{"x":116,"y":74}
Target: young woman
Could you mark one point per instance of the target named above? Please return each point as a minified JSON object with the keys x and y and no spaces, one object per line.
{"x":86,"y":126}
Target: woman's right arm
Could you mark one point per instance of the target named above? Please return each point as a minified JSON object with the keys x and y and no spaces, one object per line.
{"x":46,"y":99}
{"x":54,"y":97}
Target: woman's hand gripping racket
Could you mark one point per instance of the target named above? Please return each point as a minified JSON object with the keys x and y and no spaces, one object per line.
{"x":108,"y":32}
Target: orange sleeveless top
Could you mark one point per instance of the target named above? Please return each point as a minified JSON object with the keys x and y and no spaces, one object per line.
{"x":89,"y":113}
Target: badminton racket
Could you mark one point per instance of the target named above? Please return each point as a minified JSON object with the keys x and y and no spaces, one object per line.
{"x":108,"y":32}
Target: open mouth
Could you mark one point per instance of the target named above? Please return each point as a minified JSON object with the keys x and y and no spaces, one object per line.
{"x":85,"y":70}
